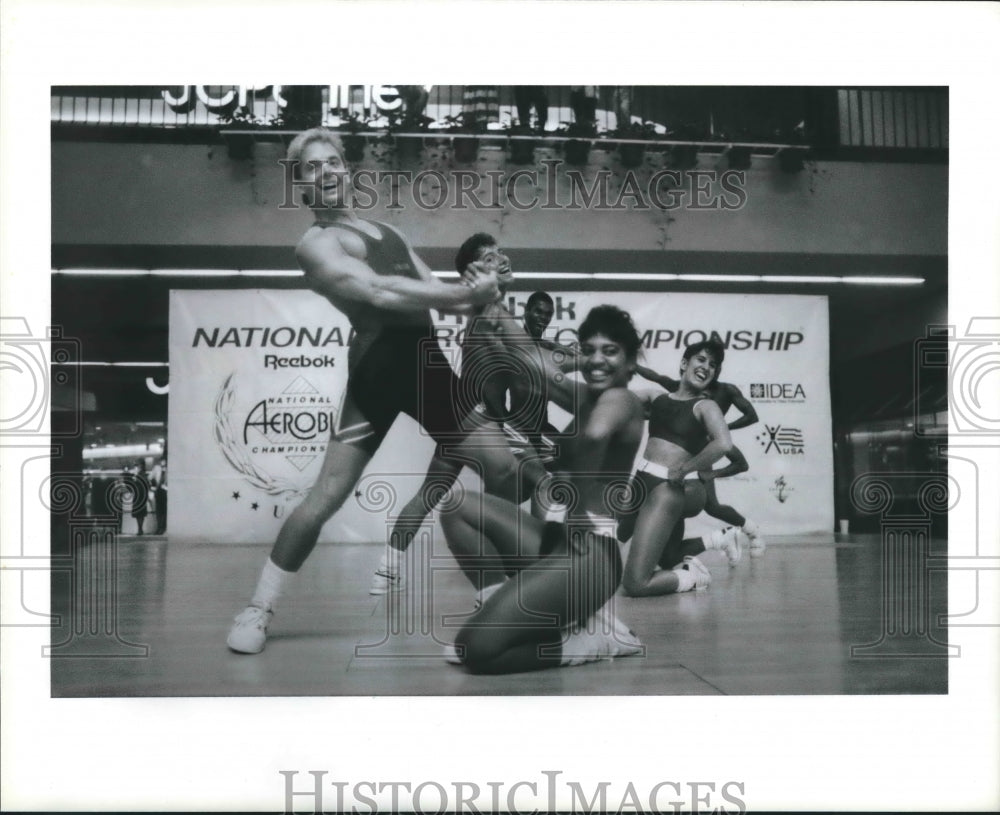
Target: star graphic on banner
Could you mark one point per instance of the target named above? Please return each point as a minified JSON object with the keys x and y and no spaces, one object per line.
{"x":236,"y":496}
{"x":254,"y":506}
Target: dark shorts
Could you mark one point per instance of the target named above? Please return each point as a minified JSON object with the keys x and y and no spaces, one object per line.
{"x":401,"y":372}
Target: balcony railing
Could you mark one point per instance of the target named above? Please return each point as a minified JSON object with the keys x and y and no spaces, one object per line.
{"x":824,"y":118}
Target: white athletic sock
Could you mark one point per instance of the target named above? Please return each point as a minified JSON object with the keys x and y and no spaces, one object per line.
{"x":273,"y":580}
{"x":750,"y":528}
{"x":713,"y":540}
{"x":685,"y":580}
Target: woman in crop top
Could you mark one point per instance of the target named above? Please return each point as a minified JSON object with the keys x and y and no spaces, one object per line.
{"x":687,"y":433}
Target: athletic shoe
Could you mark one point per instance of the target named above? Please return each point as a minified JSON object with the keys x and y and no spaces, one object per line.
{"x":607,"y":619}
{"x":729,"y":540}
{"x":757,"y":542}
{"x":692,"y":575}
{"x":584,"y":646}
{"x":249,"y":631}
{"x":451,"y":655}
{"x":385,"y":581}
{"x":388,"y":577}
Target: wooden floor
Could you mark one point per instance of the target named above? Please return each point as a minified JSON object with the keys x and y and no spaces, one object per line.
{"x":139,"y":616}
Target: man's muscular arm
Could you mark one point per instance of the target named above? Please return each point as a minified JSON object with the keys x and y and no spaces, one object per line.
{"x":662,"y":380}
{"x":508,"y":331}
{"x":332,"y":271}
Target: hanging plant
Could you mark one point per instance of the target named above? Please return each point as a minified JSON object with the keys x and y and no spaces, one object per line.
{"x":577,"y":148}
{"x":399,"y":145}
{"x":464,"y":144}
{"x":521,"y":148}
{"x":792,"y":161}
{"x":631,"y":153}
{"x":354,"y":142}
{"x":240,"y":145}
{"x":684,"y":156}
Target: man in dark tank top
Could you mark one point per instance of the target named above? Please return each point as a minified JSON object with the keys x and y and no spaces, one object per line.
{"x":369,"y":272}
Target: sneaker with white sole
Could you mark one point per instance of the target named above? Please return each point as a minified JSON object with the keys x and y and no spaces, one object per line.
{"x":600,"y":636}
{"x":730,"y":540}
{"x":757,"y":543}
{"x":692,"y":575}
{"x":582,"y":646}
{"x":386,"y":580}
{"x":451,"y":655}
{"x":249,"y":631}
{"x":608,"y":619}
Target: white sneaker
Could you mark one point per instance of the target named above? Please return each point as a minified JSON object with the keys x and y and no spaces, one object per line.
{"x":385,"y":580}
{"x":606,"y":617}
{"x":249,"y":631}
{"x":730,"y":541}
{"x":757,"y":545}
{"x":451,"y":655}
{"x":697,"y":577}
{"x":583,"y":645}
{"x":388,"y":576}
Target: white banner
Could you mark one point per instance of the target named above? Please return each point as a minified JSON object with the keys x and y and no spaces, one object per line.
{"x":256,"y":378}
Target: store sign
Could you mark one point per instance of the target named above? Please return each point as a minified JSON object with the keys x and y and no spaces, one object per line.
{"x":223,"y":97}
{"x":218,"y":97}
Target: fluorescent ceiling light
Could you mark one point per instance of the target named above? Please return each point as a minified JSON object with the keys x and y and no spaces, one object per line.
{"x":722,"y":278}
{"x":633,"y":276}
{"x":884,"y":281}
{"x":103,"y":272}
{"x":776,"y":278}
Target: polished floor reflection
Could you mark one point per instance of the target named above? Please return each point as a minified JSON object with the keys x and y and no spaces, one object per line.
{"x":144,"y":617}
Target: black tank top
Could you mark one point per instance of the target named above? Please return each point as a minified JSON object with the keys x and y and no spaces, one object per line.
{"x":673,"y":420}
{"x":386,"y":256}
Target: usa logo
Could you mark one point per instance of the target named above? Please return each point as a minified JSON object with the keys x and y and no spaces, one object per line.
{"x":785,"y":441}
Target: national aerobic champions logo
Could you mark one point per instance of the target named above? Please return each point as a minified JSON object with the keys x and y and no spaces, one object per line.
{"x":274,"y":441}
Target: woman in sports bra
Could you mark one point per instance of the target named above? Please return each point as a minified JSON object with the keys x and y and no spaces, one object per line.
{"x":545,"y":585}
{"x":687,"y":433}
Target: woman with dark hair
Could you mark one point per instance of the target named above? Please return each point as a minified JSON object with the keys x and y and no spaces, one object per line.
{"x":545,"y":584}
{"x":726,"y":395}
{"x":660,"y":560}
